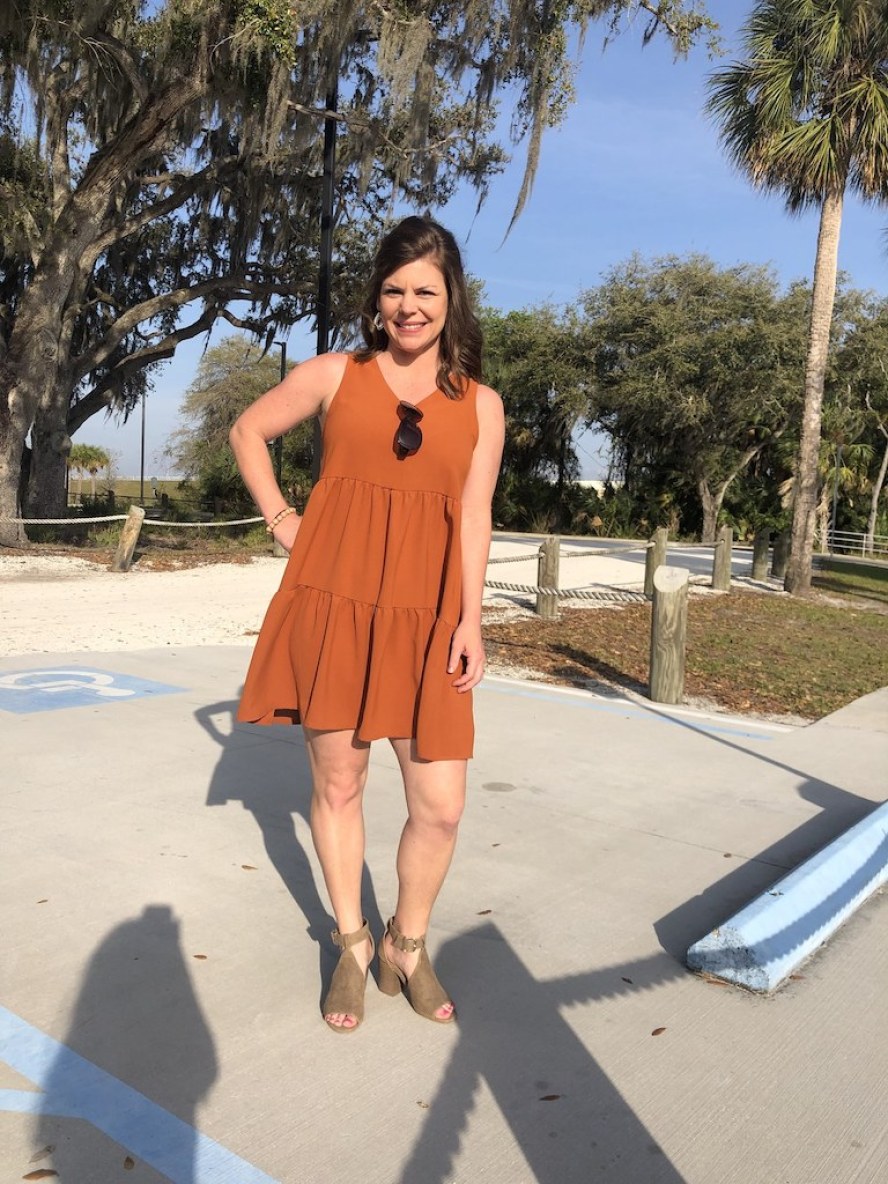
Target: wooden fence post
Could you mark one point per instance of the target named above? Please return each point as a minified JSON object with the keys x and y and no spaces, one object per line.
{"x":655,"y":557}
{"x":129,"y":536}
{"x":547,"y":577}
{"x":721,"y":562}
{"x":761,"y":544}
{"x":780,"y":557}
{"x":669,"y":625}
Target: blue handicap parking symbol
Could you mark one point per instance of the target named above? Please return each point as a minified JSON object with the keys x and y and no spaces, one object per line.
{"x":50,"y":689}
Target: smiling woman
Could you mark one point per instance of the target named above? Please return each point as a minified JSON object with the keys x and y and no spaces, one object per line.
{"x":417,"y":299}
{"x":413,"y":309}
{"x":376,"y":629}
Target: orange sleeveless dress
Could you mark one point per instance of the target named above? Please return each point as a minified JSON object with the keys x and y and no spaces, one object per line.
{"x":358,"y":635}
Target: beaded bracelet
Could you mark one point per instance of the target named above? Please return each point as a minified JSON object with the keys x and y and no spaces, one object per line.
{"x":278,"y":518}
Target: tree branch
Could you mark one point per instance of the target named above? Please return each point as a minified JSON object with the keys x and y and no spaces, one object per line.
{"x":234,"y":287}
{"x":357,"y":121}
{"x":749,"y":455}
{"x":143,"y":135}
{"x":128,"y":67}
{"x":190,"y":185}
{"x":101,"y":396}
{"x":655,"y":11}
{"x":29,"y":222}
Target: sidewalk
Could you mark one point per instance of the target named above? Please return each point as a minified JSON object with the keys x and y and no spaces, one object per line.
{"x":161,"y":911}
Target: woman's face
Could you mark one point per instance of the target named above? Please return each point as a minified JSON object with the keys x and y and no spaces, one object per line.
{"x":413,"y":306}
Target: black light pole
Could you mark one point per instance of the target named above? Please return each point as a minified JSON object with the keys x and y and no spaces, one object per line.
{"x":279,"y":442}
{"x":326,"y":254}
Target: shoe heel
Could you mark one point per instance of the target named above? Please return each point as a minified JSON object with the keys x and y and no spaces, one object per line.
{"x":389,"y":982}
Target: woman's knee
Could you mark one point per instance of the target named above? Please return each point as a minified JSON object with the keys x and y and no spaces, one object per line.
{"x":340,"y":789}
{"x":440,"y":814}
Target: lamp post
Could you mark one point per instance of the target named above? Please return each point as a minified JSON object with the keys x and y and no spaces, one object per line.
{"x":326,"y":255}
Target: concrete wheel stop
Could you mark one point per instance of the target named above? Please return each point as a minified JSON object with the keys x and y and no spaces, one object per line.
{"x":763,"y":944}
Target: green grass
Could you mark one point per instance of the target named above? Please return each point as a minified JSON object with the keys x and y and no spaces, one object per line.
{"x":839,"y":577}
{"x":746,"y":652}
{"x":129,"y":488}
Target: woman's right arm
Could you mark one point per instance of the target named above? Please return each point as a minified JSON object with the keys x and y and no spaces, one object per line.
{"x":306,"y":391}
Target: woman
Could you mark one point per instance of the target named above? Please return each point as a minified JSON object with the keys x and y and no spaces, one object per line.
{"x":376,"y":629}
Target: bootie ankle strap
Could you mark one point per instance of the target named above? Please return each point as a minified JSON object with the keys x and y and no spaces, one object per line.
{"x":407,"y":945}
{"x":346,"y":940}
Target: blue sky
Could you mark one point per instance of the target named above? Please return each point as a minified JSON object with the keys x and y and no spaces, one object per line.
{"x":636,"y":166}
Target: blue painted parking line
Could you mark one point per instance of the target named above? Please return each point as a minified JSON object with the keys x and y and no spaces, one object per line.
{"x":73,"y":1087}
{"x":52,"y":688}
{"x":626,"y":709}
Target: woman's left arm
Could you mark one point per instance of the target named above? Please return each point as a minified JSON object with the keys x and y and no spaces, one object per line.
{"x":475,"y":538}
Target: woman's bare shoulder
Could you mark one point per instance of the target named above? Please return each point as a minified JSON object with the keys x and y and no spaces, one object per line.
{"x":489,"y":401}
{"x":325,"y":368}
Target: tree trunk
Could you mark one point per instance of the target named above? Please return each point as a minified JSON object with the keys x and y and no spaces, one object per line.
{"x":711,"y":504}
{"x":50,"y":445}
{"x":38,"y":350}
{"x":11,"y":534}
{"x":30,"y":383}
{"x":824,"y":515}
{"x":798,"y":571}
{"x":874,"y":500}
{"x":12,"y":449}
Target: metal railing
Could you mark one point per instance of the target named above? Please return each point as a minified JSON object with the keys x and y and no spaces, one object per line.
{"x":857,"y":543}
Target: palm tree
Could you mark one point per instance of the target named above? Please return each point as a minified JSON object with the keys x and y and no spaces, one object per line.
{"x":76,"y":462}
{"x":806,"y":115}
{"x":89,"y":458}
{"x":98,"y":459}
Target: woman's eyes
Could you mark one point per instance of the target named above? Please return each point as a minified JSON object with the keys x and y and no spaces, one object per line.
{"x":424,"y":292}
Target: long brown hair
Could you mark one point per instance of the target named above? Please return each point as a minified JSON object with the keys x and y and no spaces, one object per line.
{"x":460,"y":343}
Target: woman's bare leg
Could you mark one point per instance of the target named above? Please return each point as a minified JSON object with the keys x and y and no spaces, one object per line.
{"x":436,"y":793}
{"x":339,"y":772}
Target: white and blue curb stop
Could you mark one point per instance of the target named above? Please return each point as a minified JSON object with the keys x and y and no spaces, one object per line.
{"x":763,"y":944}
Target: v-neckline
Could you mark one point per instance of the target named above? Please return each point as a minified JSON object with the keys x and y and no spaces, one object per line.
{"x":395,"y":395}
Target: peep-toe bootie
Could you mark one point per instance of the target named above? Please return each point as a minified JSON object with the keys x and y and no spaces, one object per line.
{"x":346,"y":994}
{"x":424,"y":993}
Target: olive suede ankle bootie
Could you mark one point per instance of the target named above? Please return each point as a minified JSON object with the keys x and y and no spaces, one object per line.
{"x":424,"y":993}
{"x":346,"y":994}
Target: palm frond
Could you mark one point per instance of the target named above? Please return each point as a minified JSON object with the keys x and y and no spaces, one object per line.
{"x":806,"y":112}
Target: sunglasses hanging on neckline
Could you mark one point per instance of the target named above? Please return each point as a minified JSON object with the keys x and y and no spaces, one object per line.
{"x":408,"y":437}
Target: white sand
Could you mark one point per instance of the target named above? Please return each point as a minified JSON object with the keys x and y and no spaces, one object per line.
{"x":57,"y":604}
{"x":54,"y":603}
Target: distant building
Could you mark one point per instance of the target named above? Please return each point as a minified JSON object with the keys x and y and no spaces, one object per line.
{"x":599,"y":485}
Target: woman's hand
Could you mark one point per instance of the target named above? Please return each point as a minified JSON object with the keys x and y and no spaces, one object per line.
{"x":467,"y":648}
{"x":286,"y":530}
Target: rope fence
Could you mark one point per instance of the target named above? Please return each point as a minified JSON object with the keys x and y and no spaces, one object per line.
{"x":546,"y":589}
{"x":123,"y":518}
{"x":63,"y":521}
{"x":549,"y":594}
{"x":525,"y":556}
{"x":616,"y":595}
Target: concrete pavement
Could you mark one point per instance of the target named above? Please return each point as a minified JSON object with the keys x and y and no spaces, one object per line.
{"x":165,"y":936}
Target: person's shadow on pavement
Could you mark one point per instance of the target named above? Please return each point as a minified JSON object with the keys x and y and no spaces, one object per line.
{"x":138,"y":1019}
{"x":266,"y":770}
{"x":568,"y":1118}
